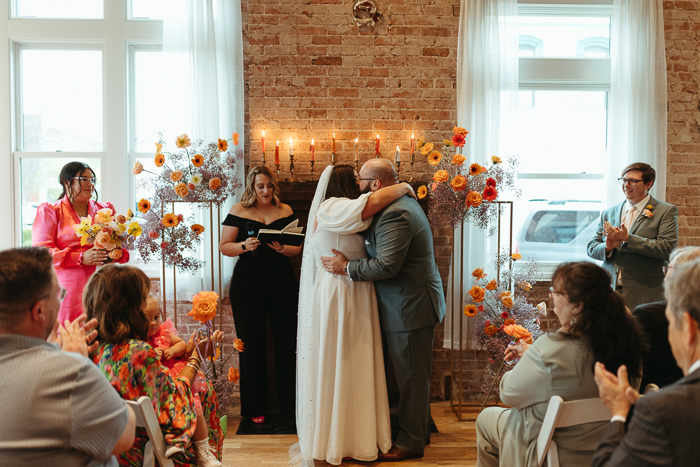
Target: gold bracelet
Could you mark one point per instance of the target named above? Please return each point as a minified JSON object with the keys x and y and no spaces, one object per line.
{"x":194,"y":363}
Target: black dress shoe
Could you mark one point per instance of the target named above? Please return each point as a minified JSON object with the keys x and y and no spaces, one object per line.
{"x":397,"y":454}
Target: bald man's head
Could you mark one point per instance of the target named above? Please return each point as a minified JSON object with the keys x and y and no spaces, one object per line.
{"x":381,"y":170}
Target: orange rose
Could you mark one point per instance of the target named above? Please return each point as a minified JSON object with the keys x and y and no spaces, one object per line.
{"x":458,"y":159}
{"x":490,"y":330}
{"x":477,"y":293}
{"x":440,"y":176}
{"x":473,"y":199}
{"x":492,"y":285}
{"x":458,"y":130}
{"x":422,"y":192}
{"x":508,"y":322}
{"x":176,"y":176}
{"x":233,"y":375}
{"x":196,"y":228}
{"x":214,"y":184}
{"x":478,"y":273}
{"x":238,"y":345}
{"x":159,"y":160}
{"x":507,"y":302}
{"x":470,"y":310}
{"x":516,"y":256}
{"x":204,"y":306}
{"x":517,"y":331}
{"x":458,"y":183}
{"x":116,"y":254}
{"x":181,"y":189}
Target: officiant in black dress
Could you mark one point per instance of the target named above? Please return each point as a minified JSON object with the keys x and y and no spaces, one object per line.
{"x":263,"y":284}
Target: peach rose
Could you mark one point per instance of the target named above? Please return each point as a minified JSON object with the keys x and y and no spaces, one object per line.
{"x":440,"y":176}
{"x":507,"y":302}
{"x":458,"y":183}
{"x":116,"y":254}
{"x":176,"y":176}
{"x":238,"y":345}
{"x":121,"y":219}
{"x":458,"y":159}
{"x":517,"y":331}
{"x":473,"y":199}
{"x":181,"y":189}
{"x":138,"y":168}
{"x":477,"y":293}
{"x":103,"y":240}
{"x":204,"y":306}
{"x":214,"y":184}
{"x":492,"y":285}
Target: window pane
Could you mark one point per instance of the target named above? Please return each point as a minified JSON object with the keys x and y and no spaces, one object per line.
{"x":148,"y":9}
{"x":70,"y":9}
{"x":561,"y":132}
{"x":61,"y":100}
{"x":162,"y":99}
{"x":39,"y":184}
{"x":560,"y":37}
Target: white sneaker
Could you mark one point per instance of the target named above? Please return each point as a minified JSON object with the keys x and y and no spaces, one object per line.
{"x":205,"y":458}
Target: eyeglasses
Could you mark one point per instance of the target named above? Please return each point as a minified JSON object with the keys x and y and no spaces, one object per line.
{"x":61,"y":295}
{"x":631,"y":181}
{"x":93,"y":180}
{"x":552,"y":292}
{"x":365,"y":179}
{"x":666,"y":268}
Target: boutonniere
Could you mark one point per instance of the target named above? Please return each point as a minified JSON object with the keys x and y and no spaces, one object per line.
{"x":647,"y":212}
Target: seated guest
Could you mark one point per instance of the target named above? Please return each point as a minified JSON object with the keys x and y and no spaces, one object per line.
{"x":658,"y":365}
{"x":663,"y":427}
{"x":116,"y":296}
{"x":595,"y":326}
{"x":57,"y":408}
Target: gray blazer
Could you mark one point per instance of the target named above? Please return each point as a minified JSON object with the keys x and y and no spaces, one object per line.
{"x":401,"y":263}
{"x":641,"y":258}
{"x":661,"y":429}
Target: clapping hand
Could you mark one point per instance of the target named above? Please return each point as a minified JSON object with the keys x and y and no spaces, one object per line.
{"x":616,"y":392}
{"x":613,"y":235}
{"x":77,"y":336}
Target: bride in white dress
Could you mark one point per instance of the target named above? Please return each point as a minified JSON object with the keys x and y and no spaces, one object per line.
{"x":342,"y":404}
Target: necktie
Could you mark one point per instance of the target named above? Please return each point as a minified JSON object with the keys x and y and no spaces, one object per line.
{"x":628,"y":223}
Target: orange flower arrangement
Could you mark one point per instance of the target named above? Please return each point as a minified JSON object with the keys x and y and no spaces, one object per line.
{"x":458,"y":130}
{"x":490,"y":193}
{"x":176,"y":176}
{"x":223,"y":145}
{"x":159,"y":160}
{"x":143,"y":206}
{"x":477,"y":293}
{"x":234,"y":375}
{"x":473,"y":199}
{"x":518,"y":332}
{"x":181,"y":189}
{"x":458,"y":159}
{"x":214,"y":184}
{"x":238,"y":345}
{"x":440,"y":176}
{"x":458,"y":183}
{"x":490,"y":330}
{"x":427,"y":149}
{"x":507,"y":301}
{"x":183,"y":141}
{"x":170,"y":220}
{"x":204,"y":306}
{"x":196,"y":228}
{"x":197,"y":160}
{"x":492,"y":285}
{"x":470,"y":310}
{"x":458,"y":141}
{"x":434,"y":158}
{"x":422,"y":192}
{"x":474,"y":169}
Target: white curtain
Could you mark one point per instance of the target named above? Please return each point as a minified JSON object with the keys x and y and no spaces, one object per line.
{"x":487,"y":85}
{"x":637,"y":112}
{"x":210,"y":32}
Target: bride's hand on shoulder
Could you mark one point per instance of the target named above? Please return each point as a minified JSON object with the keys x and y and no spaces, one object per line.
{"x":409,"y":190}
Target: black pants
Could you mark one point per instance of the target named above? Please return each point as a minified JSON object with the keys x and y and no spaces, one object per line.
{"x":255,"y":296}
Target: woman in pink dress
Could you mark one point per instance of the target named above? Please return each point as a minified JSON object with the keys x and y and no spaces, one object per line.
{"x":53,"y":228}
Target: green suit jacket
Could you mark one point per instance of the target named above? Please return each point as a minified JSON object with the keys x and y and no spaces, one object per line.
{"x":401,"y":263}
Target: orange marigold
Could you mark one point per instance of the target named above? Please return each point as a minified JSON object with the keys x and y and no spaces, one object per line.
{"x":204,"y":306}
{"x":490,"y":330}
{"x":196,"y":228}
{"x":458,"y":130}
{"x":422,"y":192}
{"x":470,"y":310}
{"x":434,"y":158}
{"x":223,"y":145}
{"x":143,"y":206}
{"x":458,"y":159}
{"x":492,"y":285}
{"x":159,"y":160}
{"x":214,"y":184}
{"x":183,"y":141}
{"x":458,"y":183}
{"x":426,"y":149}
{"x":473,"y":199}
{"x":440,"y":176}
{"x":233,"y":375}
{"x":170,"y":220}
{"x":477,"y":293}
{"x":490,"y":193}
{"x":474,"y":169}
{"x":176,"y":176}
{"x":181,"y":189}
{"x":197,"y":160}
{"x":517,"y":331}
{"x":238,"y":345}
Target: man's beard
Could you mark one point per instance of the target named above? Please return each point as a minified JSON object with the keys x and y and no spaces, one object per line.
{"x":366,"y":189}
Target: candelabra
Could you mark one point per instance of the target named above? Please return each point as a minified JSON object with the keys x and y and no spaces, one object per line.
{"x":312,"y":170}
{"x":398,"y":169}
{"x":355,"y":164}
{"x":264,"y":161}
{"x":412,"y":157}
{"x":291,"y":167}
{"x":333,"y":159}
{"x":277,"y":167}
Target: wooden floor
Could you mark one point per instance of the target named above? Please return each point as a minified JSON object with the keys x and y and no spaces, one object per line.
{"x":455,"y":444}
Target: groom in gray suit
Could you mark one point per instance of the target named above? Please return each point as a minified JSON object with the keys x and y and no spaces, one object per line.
{"x":635,"y":238}
{"x":410,"y":297}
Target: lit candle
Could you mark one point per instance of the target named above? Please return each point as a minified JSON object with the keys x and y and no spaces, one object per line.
{"x":277,"y":153}
{"x":397,"y":156}
{"x":312,"y":148}
{"x":262,"y":141}
{"x":376,"y":145}
{"x":333,"y":144}
{"x":413,"y":143}
{"x":356,"y":149}
{"x":291,"y":147}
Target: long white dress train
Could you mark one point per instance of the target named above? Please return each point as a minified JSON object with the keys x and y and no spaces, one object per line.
{"x":351,"y":413}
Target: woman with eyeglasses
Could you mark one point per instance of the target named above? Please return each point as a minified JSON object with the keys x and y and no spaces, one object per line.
{"x":53,"y":229}
{"x":595,"y":327}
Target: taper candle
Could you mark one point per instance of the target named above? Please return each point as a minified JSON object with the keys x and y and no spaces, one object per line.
{"x":277,"y":153}
{"x":397,"y":156}
{"x":262,"y":141}
{"x":376,"y":145}
{"x":413,"y":143}
{"x":333,"y":151}
{"x":291,"y":147}
{"x":312,"y":148}
{"x":355,"y":158}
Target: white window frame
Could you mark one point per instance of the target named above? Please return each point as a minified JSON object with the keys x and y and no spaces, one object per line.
{"x":113,"y":35}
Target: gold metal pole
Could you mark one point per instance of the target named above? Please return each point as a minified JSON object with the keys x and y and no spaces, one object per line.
{"x":174,"y":285}
{"x":162,"y":264}
{"x":461,"y":314}
{"x":218,"y":237}
{"x":452,"y":335}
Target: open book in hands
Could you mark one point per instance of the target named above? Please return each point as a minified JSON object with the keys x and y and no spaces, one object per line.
{"x":290,"y":235}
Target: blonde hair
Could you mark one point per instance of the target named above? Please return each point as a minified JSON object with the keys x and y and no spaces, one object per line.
{"x":248,"y":198}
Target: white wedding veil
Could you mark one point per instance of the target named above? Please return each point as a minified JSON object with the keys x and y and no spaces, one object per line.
{"x":307,"y":339}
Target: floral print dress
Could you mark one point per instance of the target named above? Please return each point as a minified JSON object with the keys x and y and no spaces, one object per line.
{"x":134,"y":370}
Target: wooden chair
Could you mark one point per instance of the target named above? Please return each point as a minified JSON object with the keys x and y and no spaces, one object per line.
{"x":562,"y":414}
{"x":146,"y":418}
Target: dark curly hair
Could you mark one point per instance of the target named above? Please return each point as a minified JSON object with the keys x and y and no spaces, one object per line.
{"x":65,"y":178}
{"x":343,"y":183}
{"x":613,"y":335}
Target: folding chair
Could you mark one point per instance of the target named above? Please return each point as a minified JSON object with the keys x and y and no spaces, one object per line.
{"x":562,"y":414}
{"x":146,"y":418}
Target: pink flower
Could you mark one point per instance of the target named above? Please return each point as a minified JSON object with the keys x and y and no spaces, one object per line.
{"x":492,"y":361}
{"x":487,"y":322}
{"x":102,"y":240}
{"x":191,"y":186}
{"x":164,"y":245}
{"x":504,"y":315}
{"x":180,"y":217}
{"x":106,"y":229}
{"x":480,"y":308}
{"x":153,"y":234}
{"x":121,"y":218}
{"x":434,"y":187}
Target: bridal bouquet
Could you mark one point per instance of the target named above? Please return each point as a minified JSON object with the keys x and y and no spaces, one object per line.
{"x":113,"y":233}
{"x":461,"y":192}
